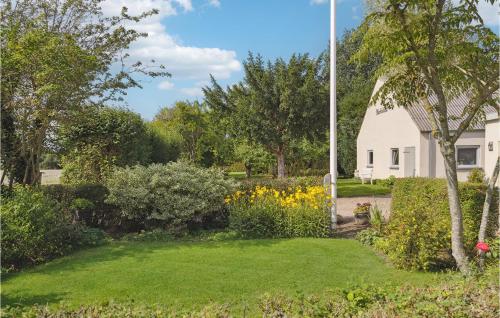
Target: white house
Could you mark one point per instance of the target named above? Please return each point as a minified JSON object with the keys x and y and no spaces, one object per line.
{"x":399,"y":142}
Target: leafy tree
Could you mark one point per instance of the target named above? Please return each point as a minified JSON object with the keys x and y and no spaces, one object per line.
{"x":57,"y":56}
{"x":433,"y":51}
{"x":188,"y":123}
{"x":254,"y":157}
{"x":275,"y":103}
{"x":165,"y":147}
{"x":354,"y":89}
{"x":308,"y":157}
{"x":101,"y":138}
{"x":192,"y":126}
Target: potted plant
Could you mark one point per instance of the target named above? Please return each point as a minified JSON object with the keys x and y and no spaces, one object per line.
{"x":362,"y":213}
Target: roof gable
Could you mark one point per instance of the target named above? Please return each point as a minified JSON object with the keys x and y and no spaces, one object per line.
{"x":455,"y":109}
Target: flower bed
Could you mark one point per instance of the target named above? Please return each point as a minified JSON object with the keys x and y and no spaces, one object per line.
{"x":267,"y":212}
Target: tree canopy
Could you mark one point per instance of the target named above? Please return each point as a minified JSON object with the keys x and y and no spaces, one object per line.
{"x":58,"y":56}
{"x":433,"y":52}
{"x":102,"y":138}
{"x":275,"y":103}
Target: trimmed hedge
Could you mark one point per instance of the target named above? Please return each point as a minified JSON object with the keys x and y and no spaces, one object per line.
{"x":96,"y":213}
{"x":419,"y":231}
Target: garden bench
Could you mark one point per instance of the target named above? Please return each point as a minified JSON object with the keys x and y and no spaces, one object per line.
{"x":365,"y":174}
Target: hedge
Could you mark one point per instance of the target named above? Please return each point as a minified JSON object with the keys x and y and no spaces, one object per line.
{"x":96,"y":213}
{"x":419,"y":230}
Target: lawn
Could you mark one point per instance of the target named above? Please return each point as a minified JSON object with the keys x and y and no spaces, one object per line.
{"x":354,"y":188}
{"x":192,"y":274}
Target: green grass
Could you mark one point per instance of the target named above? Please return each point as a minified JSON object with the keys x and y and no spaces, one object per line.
{"x":354,"y":188}
{"x":192,"y":274}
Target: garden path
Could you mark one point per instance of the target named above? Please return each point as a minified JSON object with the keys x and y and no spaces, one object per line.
{"x":345,"y":206}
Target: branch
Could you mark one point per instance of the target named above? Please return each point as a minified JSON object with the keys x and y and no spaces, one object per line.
{"x":481,"y":100}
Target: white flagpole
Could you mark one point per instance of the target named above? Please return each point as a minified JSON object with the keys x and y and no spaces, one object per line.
{"x":333,"y":115}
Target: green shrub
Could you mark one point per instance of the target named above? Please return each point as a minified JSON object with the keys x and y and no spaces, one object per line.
{"x":389,"y":182}
{"x":89,"y":236}
{"x":368,"y":236}
{"x":86,"y":165}
{"x":89,"y":201}
{"x":476,"y":175}
{"x":35,"y":229}
{"x":173,"y":195}
{"x":377,"y":220}
{"x":155,"y":235}
{"x":419,"y":232}
{"x":160,"y":235}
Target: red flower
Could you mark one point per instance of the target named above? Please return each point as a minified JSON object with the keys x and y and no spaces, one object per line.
{"x":484,"y":247}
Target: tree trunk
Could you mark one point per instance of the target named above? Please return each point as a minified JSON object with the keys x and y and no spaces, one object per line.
{"x":11,"y":181}
{"x":26,"y":177}
{"x":4,"y":173}
{"x":248,"y":170}
{"x":457,"y":229}
{"x":486,"y":209}
{"x":280,"y":156}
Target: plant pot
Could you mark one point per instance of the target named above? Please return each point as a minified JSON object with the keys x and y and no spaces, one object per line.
{"x":362,"y":218}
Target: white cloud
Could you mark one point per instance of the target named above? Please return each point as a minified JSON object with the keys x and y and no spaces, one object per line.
{"x":185,"y":4}
{"x":182,"y":61}
{"x":165,"y":85}
{"x":214,"y":3}
{"x":319,"y":1}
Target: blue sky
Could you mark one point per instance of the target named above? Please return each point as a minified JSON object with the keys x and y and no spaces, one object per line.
{"x":194,"y":38}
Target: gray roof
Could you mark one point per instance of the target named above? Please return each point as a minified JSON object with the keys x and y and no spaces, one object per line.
{"x":455,"y":109}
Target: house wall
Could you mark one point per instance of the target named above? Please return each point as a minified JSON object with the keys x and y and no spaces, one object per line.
{"x":382,"y":130}
{"x":492,"y":134}
{"x":469,"y":138}
{"x":427,"y":155}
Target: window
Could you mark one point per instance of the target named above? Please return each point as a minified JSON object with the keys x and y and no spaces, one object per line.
{"x":370,"y":158}
{"x":394,"y":157}
{"x":467,"y":156}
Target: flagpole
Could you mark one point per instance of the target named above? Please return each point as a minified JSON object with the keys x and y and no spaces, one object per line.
{"x":333,"y":115}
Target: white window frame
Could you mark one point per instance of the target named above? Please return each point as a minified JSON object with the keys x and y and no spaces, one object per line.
{"x":478,"y":156}
{"x":394,"y":166}
{"x":368,"y":164}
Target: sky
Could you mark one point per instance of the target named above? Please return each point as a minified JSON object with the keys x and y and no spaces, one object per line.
{"x":196,"y":38}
